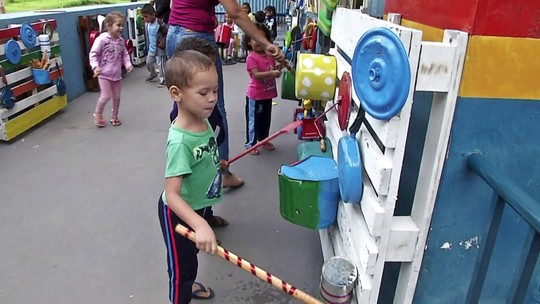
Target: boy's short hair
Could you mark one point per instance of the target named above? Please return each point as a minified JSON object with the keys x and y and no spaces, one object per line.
{"x":260,"y":27}
{"x":181,"y":68}
{"x":260,"y":16}
{"x":148,"y":9}
{"x":196,"y":44}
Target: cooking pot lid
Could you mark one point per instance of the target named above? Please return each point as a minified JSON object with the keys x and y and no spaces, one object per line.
{"x":313,"y":168}
{"x":381,"y":73}
{"x":13,"y":51}
{"x":344,"y":100}
{"x":28,"y":35}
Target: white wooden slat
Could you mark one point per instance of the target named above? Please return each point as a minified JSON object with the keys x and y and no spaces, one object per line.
{"x":373,"y":211}
{"x":326,"y":244}
{"x":403,"y":237}
{"x":386,"y":130}
{"x":377,"y":165}
{"x":364,"y":285}
{"x":23,"y":47}
{"x":29,"y":101}
{"x":27,"y":72}
{"x":435,"y":69}
{"x":433,"y":159}
{"x":344,"y":20}
{"x":356,"y":237}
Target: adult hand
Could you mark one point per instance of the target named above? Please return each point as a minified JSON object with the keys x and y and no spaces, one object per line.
{"x":276,"y":52}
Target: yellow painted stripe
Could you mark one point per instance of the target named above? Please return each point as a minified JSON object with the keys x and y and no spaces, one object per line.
{"x":501,"y":67}
{"x":429,"y":33}
{"x":25,"y":121}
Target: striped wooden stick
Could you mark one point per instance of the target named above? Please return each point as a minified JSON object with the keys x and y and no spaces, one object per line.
{"x":254,"y":270}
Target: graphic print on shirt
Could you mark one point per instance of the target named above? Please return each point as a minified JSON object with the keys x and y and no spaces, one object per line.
{"x":111,"y":51}
{"x":269,"y":83}
{"x":211,"y":148}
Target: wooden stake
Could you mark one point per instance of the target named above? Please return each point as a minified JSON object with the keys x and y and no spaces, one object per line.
{"x":254,"y":270}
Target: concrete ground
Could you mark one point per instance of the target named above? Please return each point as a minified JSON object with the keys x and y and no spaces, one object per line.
{"x":78,"y":217}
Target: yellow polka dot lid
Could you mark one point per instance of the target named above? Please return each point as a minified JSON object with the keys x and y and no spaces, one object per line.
{"x":315,"y":76}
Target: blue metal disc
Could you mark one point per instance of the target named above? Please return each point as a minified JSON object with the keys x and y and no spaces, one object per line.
{"x":13,"y":51}
{"x":8,"y":99}
{"x":381,"y":73}
{"x":28,"y":35}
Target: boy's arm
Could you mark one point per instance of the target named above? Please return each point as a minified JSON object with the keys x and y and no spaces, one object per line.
{"x":205,"y":237}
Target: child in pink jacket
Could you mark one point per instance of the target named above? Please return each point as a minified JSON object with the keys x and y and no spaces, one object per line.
{"x":107,"y":56}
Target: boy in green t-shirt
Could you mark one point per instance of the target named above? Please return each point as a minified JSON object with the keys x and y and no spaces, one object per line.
{"x":192,"y":175}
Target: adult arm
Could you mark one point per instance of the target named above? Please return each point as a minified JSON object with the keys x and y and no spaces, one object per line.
{"x":242,"y":20}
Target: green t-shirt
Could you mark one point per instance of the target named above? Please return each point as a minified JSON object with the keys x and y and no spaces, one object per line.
{"x":195,"y":156}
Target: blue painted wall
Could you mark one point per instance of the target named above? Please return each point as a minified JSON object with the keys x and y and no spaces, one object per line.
{"x":507,"y":132}
{"x":69,"y":40}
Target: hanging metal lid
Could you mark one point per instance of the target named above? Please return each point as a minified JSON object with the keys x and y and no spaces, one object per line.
{"x":381,"y":73}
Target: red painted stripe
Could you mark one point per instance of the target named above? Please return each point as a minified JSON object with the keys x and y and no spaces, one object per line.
{"x":519,"y":18}
{"x":175,"y":259}
{"x":253,"y":269}
{"x":284,"y":285}
{"x":16,"y":31}
{"x":239,"y":262}
{"x":292,"y":290}
{"x":268,"y":277}
{"x":457,"y":14}
{"x":28,"y":86}
{"x":226,"y":254}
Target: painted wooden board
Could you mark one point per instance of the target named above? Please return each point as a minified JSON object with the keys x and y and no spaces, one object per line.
{"x":14,"y":31}
{"x":433,"y":158}
{"x":34,"y":102}
{"x":365,"y":229}
{"x":403,"y":236}
{"x":28,"y":119}
{"x":24,"y":48}
{"x":435,"y":70}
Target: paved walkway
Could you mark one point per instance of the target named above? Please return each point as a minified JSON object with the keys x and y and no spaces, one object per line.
{"x":78,"y":205}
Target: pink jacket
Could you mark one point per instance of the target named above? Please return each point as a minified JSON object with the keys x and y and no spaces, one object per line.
{"x":109,"y":54}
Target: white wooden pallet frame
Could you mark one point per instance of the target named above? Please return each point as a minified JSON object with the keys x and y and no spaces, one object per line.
{"x":369,"y":234}
{"x":138,"y":39}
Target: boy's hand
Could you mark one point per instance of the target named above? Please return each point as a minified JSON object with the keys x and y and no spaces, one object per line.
{"x":223,"y":164}
{"x":96,"y":72}
{"x":205,"y":238}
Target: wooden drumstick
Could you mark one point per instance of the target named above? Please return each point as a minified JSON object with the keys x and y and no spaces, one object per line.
{"x":289,"y":68}
{"x":254,"y":270}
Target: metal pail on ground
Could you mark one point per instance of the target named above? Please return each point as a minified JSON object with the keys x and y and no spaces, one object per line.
{"x":338,"y":278}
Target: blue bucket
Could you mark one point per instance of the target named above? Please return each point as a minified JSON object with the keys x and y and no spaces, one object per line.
{"x":41,"y":76}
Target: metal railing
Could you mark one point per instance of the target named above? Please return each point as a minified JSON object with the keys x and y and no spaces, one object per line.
{"x":505,"y":192}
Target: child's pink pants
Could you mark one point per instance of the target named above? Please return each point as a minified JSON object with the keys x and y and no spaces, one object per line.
{"x":109,"y":89}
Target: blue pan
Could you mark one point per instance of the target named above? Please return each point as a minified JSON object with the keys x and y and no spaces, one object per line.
{"x":350,"y":164}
